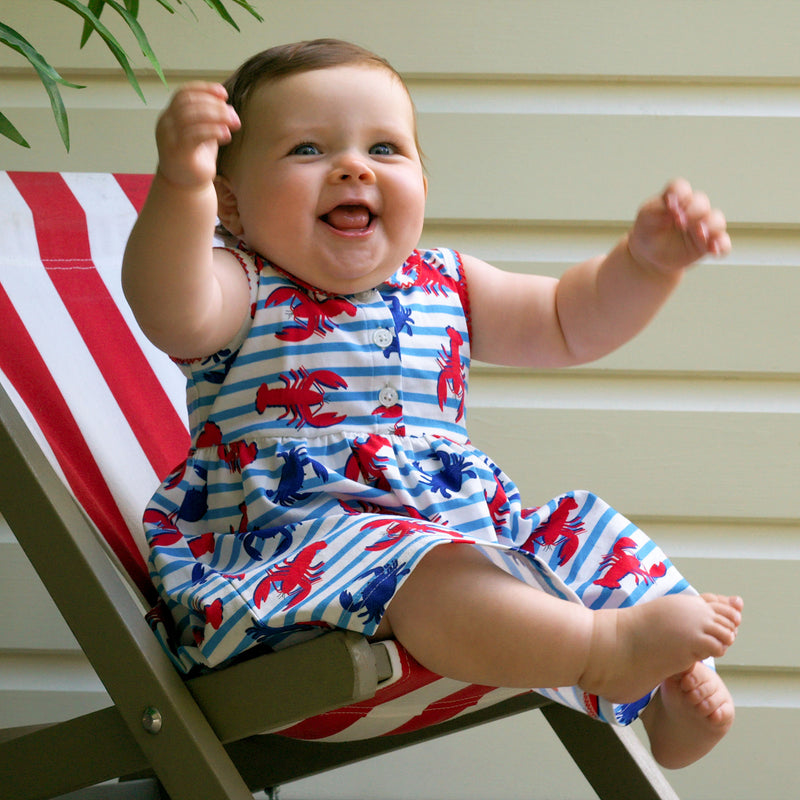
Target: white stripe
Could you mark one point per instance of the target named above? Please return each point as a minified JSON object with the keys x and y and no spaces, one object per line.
{"x":109,"y":219}
{"x":32,"y":425}
{"x":389,"y":716}
{"x":130,"y":477}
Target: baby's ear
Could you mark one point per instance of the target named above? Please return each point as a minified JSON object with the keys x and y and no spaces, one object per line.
{"x":227,"y":206}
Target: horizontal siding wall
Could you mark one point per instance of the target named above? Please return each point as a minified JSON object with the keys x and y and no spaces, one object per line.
{"x":544,"y":125}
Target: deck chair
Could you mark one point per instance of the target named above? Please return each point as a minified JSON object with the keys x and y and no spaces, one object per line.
{"x":90,"y":418}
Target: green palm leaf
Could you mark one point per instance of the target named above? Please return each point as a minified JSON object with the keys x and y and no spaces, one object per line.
{"x":10,"y":132}
{"x":128,"y":12}
{"x":90,"y":12}
{"x":96,"y":7}
{"x":49,"y":78}
{"x":16,"y":41}
{"x":136,"y":29}
{"x":223,"y":12}
{"x":106,"y":35}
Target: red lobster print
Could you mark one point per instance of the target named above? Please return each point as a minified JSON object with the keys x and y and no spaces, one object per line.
{"x":452,"y":373}
{"x":168,"y":534}
{"x":558,"y":532}
{"x":213,"y":614}
{"x":235,"y":455}
{"x":429,"y":278}
{"x":365,"y":461}
{"x":302,"y":392}
{"x":395,"y":531}
{"x":294,"y":575}
{"x":200,"y":545}
{"x":621,"y":564}
{"x":499,"y":507}
{"x":310,"y":315}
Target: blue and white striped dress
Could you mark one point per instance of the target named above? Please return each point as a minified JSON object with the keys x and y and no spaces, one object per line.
{"x":329,"y":454}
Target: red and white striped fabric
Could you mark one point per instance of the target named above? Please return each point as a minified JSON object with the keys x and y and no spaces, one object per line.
{"x":109,"y":409}
{"x":105,"y":400}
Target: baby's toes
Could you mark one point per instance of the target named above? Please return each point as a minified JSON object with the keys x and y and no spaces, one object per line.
{"x":716,"y":705}
{"x":725,"y":612}
{"x":724,"y":633}
{"x":702,"y":686}
{"x":729,"y":605}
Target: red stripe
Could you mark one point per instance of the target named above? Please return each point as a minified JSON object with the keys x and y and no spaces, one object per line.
{"x":24,"y":367}
{"x":63,"y":240}
{"x":135,"y":187}
{"x":414,"y":676}
{"x":444,"y":709}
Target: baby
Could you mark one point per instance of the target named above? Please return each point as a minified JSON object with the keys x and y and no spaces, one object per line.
{"x":331,"y":482}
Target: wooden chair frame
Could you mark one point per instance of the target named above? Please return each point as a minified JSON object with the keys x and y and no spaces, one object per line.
{"x":200,"y":737}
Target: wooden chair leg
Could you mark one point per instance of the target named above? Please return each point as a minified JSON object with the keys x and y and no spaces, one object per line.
{"x":145,"y":789}
{"x":612,"y":759}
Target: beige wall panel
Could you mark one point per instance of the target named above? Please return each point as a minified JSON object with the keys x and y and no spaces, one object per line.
{"x":677,"y":39}
{"x":724,"y":319}
{"x":110,"y":129}
{"x":36,"y":686}
{"x":31,"y":620}
{"x":762,"y":583}
{"x":656,"y":463}
{"x":497,"y":167}
{"x":597,"y":168}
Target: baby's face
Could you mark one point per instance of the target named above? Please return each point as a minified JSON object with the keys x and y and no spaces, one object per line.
{"x":327,"y":177}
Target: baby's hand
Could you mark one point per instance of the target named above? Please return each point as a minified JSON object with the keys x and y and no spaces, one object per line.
{"x":677,"y":228}
{"x":189,"y":131}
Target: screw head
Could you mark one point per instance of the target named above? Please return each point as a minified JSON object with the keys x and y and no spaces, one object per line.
{"x":152,"y":720}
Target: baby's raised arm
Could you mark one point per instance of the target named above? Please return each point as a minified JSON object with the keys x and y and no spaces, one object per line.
{"x":598,"y":305}
{"x":189,"y":299}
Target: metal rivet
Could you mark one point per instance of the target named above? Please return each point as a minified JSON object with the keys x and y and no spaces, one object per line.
{"x":152,"y":720}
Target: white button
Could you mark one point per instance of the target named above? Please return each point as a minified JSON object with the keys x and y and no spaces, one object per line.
{"x":388,"y":396}
{"x":364,"y":297}
{"x":382,"y":337}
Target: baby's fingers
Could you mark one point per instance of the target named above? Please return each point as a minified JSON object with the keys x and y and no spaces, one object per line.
{"x":197,"y":120}
{"x":715,"y":231}
{"x":199,"y":113}
{"x":694,"y":216}
{"x":677,"y":196}
{"x":709,"y":233}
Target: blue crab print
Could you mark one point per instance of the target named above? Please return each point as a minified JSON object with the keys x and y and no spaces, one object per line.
{"x":402,"y":321}
{"x":628,"y":712}
{"x":194,"y":505}
{"x":377,"y":593}
{"x":450,"y":477}
{"x":251,"y":540}
{"x":293,"y":476}
{"x":219,"y":366}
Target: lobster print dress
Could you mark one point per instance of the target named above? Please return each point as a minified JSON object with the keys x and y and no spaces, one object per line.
{"x":329,"y":454}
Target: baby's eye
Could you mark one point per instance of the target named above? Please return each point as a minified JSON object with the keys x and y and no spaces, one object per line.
{"x":382,"y":149}
{"x":305,"y":149}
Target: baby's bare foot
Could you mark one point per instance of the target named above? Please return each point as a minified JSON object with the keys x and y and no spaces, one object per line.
{"x":634,"y":649}
{"x":688,"y":716}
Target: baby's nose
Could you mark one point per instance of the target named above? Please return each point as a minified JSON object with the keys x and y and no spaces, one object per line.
{"x":351,"y":166}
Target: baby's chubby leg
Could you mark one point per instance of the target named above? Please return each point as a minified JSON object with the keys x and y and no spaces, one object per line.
{"x":463,"y":617}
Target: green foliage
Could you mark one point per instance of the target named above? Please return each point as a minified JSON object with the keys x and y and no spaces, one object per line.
{"x":90,"y":12}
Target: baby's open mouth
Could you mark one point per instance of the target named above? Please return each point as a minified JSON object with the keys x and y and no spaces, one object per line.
{"x":349,"y":217}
